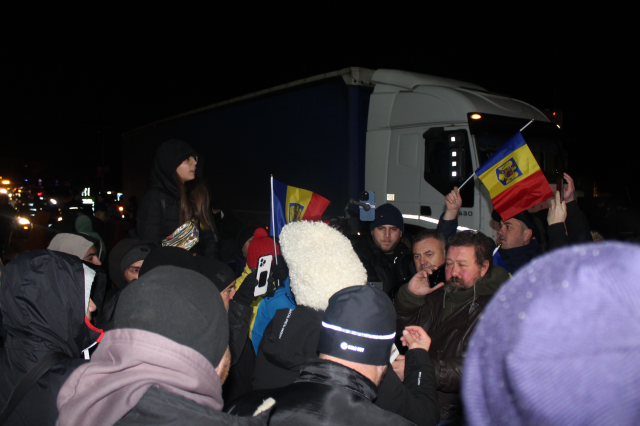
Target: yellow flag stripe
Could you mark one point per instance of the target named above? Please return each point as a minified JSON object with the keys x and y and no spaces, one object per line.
{"x":523,"y":165}
{"x":296,"y":196}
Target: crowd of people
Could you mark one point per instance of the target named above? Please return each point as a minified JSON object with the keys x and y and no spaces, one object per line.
{"x":440,"y":327}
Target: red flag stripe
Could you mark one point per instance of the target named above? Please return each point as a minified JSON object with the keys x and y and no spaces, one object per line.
{"x":529,"y":192}
{"x":317,"y":205}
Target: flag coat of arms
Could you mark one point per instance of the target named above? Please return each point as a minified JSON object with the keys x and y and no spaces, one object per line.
{"x":514,"y":179}
{"x":291,"y":204}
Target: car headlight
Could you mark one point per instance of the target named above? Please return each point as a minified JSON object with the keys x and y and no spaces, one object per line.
{"x":23,"y":221}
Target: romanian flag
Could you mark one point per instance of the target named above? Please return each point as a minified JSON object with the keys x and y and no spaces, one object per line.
{"x":291,"y":204}
{"x":514,"y":179}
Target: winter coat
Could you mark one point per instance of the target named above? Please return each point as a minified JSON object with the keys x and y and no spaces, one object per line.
{"x":42,"y":296}
{"x":291,"y":339}
{"x":392,"y":270}
{"x":243,"y":357}
{"x":159,"y":211}
{"x":450,"y":328}
{"x":282,"y":298}
{"x":324,"y":393}
{"x":137,"y":377}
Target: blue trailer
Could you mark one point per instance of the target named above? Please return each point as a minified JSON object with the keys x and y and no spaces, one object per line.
{"x":310,"y":134}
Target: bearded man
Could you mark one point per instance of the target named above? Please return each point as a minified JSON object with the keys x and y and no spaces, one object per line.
{"x":449,"y":311}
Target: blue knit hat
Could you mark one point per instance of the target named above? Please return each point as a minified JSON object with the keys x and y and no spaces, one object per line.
{"x":387,"y":214}
{"x":559,"y":343}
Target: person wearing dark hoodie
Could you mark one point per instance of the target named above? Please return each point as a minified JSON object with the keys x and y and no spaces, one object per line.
{"x":449,"y":311}
{"x":152,"y":369}
{"x":174,"y":210}
{"x":322,"y":262}
{"x":46,"y":305}
{"x":125,"y":261}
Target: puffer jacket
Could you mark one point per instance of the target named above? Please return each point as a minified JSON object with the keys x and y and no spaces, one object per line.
{"x":291,"y":340}
{"x":324,"y":393}
{"x":42,"y":296}
{"x":158,"y":214}
{"x":450,"y":328}
{"x":392,"y":270}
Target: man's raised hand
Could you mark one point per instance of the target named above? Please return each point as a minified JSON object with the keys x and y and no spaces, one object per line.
{"x":419,"y":284}
{"x":452,"y":203}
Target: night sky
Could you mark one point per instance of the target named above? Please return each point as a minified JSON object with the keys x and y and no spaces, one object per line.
{"x":75,"y":79}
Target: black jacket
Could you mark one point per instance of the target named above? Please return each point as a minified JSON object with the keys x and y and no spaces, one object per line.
{"x":392,"y":270}
{"x":243,"y":357}
{"x":325,"y":393}
{"x":42,"y":299}
{"x":158,"y":214}
{"x":291,"y":339}
{"x":450,"y":328}
{"x":161,"y":407}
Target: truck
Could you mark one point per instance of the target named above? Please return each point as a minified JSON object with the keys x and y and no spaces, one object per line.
{"x":408,"y":138}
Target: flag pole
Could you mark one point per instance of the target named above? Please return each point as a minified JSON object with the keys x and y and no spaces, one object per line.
{"x":273,"y":226}
{"x":465,"y":182}
{"x":525,"y":126}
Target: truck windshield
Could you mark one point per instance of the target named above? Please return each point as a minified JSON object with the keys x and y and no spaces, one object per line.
{"x":492,"y":131}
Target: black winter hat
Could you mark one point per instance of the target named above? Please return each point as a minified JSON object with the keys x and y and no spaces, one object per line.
{"x":179,"y":304}
{"x":359,"y":325}
{"x":219,"y":273}
{"x":387,"y":214}
{"x":524,"y":217}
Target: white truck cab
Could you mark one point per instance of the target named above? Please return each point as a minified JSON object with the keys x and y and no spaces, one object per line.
{"x":427,"y":134}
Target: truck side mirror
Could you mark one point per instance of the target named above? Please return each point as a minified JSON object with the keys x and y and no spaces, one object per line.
{"x":457,"y":155}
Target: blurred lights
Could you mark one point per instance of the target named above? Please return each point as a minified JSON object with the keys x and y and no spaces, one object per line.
{"x":558,"y":125}
{"x":3,"y":191}
{"x":60,"y":219}
{"x":478,"y":116}
{"x":52,"y":201}
{"x":25,"y":227}
{"x":121,"y":208}
{"x":23,"y":221}
{"x":6,"y":182}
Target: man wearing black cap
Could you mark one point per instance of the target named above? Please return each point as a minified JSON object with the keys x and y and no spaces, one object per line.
{"x":358,"y":330}
{"x":153,"y":369}
{"x":385,"y":257}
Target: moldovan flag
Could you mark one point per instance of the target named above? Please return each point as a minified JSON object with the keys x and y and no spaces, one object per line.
{"x":291,"y":204}
{"x":514,"y":179}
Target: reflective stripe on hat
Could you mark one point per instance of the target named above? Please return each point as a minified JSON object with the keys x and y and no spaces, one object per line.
{"x":359,"y":334}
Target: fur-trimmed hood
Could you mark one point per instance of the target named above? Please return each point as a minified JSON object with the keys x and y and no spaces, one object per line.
{"x":321,"y":262}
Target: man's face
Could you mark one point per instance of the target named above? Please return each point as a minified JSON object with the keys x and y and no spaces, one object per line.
{"x":91,"y":309}
{"x":428,"y":254}
{"x":462,"y":271}
{"x":227,"y":294}
{"x":92,"y":256}
{"x":131,"y":273}
{"x":386,"y":237}
{"x":513,"y":234}
{"x":224,"y":366}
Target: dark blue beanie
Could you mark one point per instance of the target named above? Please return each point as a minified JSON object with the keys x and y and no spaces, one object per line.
{"x":387,"y":214}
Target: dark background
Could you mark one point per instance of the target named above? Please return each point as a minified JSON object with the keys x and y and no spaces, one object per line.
{"x":75,"y":79}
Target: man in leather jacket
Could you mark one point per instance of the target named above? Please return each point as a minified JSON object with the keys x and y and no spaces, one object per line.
{"x":448,"y":312}
{"x":354,"y":347}
{"x":385,"y":257}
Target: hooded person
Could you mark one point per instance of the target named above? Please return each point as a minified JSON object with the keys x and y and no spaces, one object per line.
{"x":125,"y":261}
{"x":88,"y":249}
{"x":174,"y":210}
{"x":84,"y":226}
{"x":45,"y":300}
{"x":559,"y":345}
{"x":322,"y":262}
{"x":152,"y":369}
{"x":357,"y":335}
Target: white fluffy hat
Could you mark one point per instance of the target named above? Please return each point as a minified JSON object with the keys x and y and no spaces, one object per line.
{"x":321,"y":262}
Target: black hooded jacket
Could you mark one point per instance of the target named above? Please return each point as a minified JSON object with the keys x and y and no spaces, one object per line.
{"x":105,"y":320}
{"x":159,"y":211}
{"x":291,"y":340}
{"x":42,"y":296}
{"x":392,"y":270}
{"x":325,"y":393}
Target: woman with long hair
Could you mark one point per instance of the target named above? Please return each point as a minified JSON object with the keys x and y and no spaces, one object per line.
{"x":174,"y":210}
